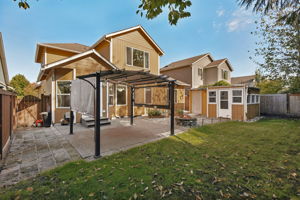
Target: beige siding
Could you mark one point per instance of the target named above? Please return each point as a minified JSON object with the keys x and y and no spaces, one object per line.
{"x":199,"y":64}
{"x":2,"y":79}
{"x":224,"y":66}
{"x":183,"y":74}
{"x":135,"y":40}
{"x":104,"y":49}
{"x":211,"y":75}
{"x":53,"y":55}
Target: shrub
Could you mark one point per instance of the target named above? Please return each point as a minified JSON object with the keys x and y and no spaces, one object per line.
{"x":221,"y":83}
{"x":180,"y":112}
{"x":154,"y":113}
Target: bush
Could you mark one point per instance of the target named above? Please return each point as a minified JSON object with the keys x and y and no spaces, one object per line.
{"x":154,"y":113}
{"x":180,"y":112}
{"x":221,"y":83}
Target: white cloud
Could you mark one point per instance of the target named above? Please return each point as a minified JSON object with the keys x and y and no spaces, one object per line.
{"x":239,"y":20}
{"x":220,"y":12}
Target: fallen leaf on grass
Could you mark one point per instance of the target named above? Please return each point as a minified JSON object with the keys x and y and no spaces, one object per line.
{"x":29,"y":189}
{"x":91,"y":194}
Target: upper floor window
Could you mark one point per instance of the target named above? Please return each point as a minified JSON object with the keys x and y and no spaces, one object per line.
{"x":63,"y":91}
{"x":200,"y":73}
{"x":137,"y":58}
{"x":224,"y":74}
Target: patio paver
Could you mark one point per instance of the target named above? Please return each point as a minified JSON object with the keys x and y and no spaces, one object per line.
{"x":35,"y":150}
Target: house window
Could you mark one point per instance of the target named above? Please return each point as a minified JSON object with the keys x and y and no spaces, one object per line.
{"x":129,"y":55}
{"x":137,"y":58}
{"x":121,"y":95}
{"x":146,"y":60}
{"x":237,"y":96}
{"x":212,"y":96}
{"x":148,"y":95}
{"x":63,"y":91}
{"x":253,"y":99}
{"x":200,"y":73}
{"x":224,"y":100}
{"x":224,"y":74}
{"x":111,"y":95}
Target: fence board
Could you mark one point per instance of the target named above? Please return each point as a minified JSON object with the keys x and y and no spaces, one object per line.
{"x":280,"y":104}
{"x":295,"y":104}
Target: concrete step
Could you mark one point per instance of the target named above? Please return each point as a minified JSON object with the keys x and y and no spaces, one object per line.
{"x":90,"y":122}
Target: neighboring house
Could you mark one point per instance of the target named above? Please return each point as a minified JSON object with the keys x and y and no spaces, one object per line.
{"x":4,"y":79}
{"x":7,"y":100}
{"x":199,"y":70}
{"x":247,"y":80}
{"x":211,"y":101}
{"x":130,"y":49}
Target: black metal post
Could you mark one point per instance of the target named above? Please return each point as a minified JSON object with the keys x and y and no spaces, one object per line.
{"x":71,"y":121}
{"x":97,"y":116}
{"x":131,"y":105}
{"x":172,"y":106}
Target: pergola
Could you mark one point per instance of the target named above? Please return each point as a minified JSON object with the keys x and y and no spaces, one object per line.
{"x":134,"y":80}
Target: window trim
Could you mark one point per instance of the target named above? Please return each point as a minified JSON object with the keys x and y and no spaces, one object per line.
{"x":116,"y":103}
{"x":113,"y":85}
{"x":222,"y":74}
{"x":242,"y":98}
{"x":56,"y":94}
{"x":209,"y":96}
{"x":201,"y":76}
{"x":132,"y":48}
{"x":255,"y":99}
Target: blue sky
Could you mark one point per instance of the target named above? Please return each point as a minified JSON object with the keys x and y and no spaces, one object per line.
{"x":216,"y":26}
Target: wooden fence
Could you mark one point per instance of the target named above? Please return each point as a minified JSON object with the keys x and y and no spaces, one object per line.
{"x":280,"y":104}
{"x":7,"y":120}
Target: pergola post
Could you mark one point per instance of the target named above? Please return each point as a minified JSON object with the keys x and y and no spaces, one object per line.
{"x":131,"y":105}
{"x":97,"y":116}
{"x":71,"y":121}
{"x":172,"y":106}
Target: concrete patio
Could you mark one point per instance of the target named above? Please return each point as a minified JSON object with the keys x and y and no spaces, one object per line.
{"x":34,"y":150}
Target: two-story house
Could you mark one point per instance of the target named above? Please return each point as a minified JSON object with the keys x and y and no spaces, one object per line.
{"x":237,"y":101}
{"x":129,"y":49}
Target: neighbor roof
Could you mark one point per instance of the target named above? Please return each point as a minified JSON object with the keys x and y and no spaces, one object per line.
{"x":184,"y":62}
{"x":242,"y":79}
{"x":139,"y":27}
{"x":219,"y":62}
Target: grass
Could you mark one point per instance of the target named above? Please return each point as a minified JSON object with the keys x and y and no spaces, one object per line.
{"x":233,"y":160}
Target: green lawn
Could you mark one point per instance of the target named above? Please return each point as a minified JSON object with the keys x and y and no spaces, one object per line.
{"x":228,"y":160}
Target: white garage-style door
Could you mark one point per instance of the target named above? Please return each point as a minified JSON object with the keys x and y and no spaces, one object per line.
{"x":196,"y":102}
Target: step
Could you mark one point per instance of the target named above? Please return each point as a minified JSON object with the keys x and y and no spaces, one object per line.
{"x":90,"y":122}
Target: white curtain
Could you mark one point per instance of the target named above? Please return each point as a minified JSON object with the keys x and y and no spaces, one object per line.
{"x":82,"y":96}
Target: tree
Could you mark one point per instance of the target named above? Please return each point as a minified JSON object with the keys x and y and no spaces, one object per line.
{"x":30,"y":90}
{"x":19,"y":83}
{"x":278,"y":51}
{"x":292,"y":7}
{"x":271,"y":86}
{"x":177,"y":9}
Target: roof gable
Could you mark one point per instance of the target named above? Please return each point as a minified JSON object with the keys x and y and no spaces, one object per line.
{"x":69,"y":47}
{"x":185,"y":62}
{"x":138,"y":28}
{"x":217,"y":63}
